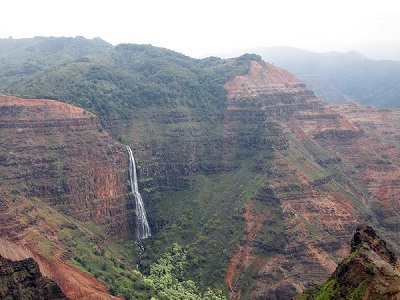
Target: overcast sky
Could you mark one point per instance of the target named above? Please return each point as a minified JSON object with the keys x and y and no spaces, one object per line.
{"x":206,"y":27}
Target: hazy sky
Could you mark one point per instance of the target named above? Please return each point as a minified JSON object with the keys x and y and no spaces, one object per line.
{"x":200,"y":28}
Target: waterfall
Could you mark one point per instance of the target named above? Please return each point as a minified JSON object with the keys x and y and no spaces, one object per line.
{"x":142,"y":226}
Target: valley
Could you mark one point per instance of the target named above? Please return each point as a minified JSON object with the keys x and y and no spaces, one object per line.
{"x":251,"y":184}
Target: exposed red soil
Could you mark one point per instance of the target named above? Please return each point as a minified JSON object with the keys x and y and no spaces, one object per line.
{"x":41,"y":109}
{"x":320,"y":213}
{"x":244,"y":257}
{"x":258,"y":80}
{"x":73,"y":282}
{"x":57,"y":153}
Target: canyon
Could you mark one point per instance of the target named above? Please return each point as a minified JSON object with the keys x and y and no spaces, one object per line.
{"x":265,"y":191}
{"x":334,"y":173}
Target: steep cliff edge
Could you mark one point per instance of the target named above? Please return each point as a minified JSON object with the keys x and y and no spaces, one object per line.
{"x":265,"y":191}
{"x":327,"y":173}
{"x":59,"y":153}
{"x":54,"y":158}
{"x":371,"y":271}
{"x":22,"y":280}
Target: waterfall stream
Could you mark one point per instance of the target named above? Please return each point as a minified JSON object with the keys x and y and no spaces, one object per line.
{"x":142,"y":226}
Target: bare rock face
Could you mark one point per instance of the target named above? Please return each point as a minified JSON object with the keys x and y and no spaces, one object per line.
{"x":22,"y":280}
{"x":316,"y":171}
{"x":371,"y":271}
{"x":334,"y":166}
{"x":59,"y":153}
{"x":54,"y":158}
{"x":375,"y":157}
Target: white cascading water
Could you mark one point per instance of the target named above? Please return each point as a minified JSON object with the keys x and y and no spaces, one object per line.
{"x":142,"y":226}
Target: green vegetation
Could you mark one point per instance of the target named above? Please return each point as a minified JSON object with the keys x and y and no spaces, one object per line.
{"x":201,"y":169}
{"x":125,"y":82}
{"x":167,"y":277}
{"x":359,"y":292}
{"x":88,"y":248}
{"x":330,"y":290}
{"x":325,"y":291}
{"x":342,"y":288}
{"x":117,"y":80}
{"x":209,"y":220}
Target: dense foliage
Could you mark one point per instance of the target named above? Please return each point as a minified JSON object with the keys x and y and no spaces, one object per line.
{"x":21,"y":59}
{"x":115,"y":80}
{"x":167,"y":276}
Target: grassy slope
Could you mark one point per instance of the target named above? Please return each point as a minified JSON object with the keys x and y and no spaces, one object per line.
{"x":54,"y":235}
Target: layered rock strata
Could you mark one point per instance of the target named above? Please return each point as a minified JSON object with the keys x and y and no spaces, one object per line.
{"x":324,"y":180}
{"x":60,"y":153}
{"x":57,"y":163}
{"x":371,"y":271}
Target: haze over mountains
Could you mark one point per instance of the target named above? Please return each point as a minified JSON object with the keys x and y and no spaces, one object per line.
{"x":340,"y":77}
{"x":253,"y":186}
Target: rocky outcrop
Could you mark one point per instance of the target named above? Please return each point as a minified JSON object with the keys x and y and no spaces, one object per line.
{"x":22,"y":280}
{"x":371,"y":271}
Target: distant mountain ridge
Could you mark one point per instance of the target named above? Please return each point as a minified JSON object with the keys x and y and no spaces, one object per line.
{"x":340,"y":77}
{"x":110,"y":80}
{"x":353,"y":75}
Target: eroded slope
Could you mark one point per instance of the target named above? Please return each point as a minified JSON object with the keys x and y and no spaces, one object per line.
{"x":371,"y":271}
{"x":320,"y":181}
{"x":56,"y":157}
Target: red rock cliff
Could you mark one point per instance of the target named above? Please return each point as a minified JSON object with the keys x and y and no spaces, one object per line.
{"x":59,"y":153}
{"x":56,"y":156}
{"x":333,"y":166}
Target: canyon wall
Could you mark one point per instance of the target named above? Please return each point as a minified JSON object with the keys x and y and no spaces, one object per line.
{"x":333,"y":173}
{"x":271,"y":187}
{"x":371,"y":271}
{"x":55,"y":157}
{"x":60,"y":153}
{"x":265,"y":191}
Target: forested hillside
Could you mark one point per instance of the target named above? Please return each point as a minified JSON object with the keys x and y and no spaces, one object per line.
{"x":114,"y":80}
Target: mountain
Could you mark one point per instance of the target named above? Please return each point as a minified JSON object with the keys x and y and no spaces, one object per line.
{"x":27,"y":57}
{"x":116,"y":81}
{"x":251,"y":184}
{"x":371,"y":271}
{"x":341,"y":77}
